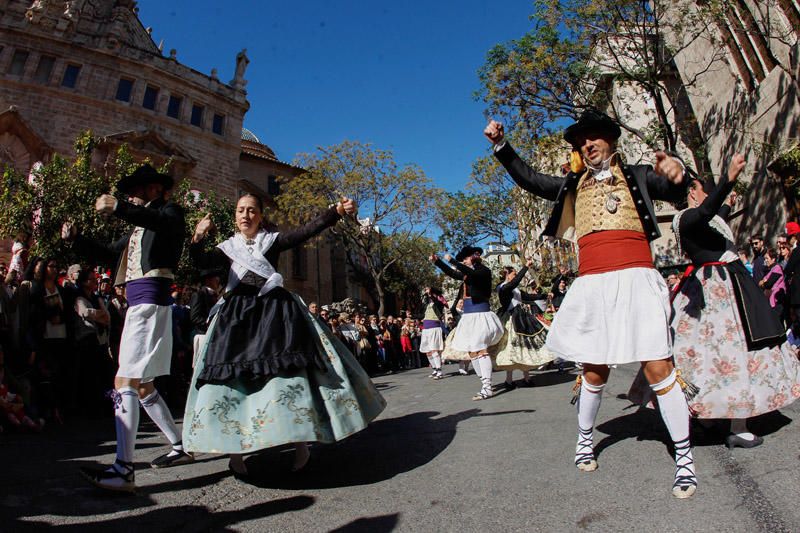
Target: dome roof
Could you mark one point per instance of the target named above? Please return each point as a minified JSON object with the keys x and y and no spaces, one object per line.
{"x":248,"y":135}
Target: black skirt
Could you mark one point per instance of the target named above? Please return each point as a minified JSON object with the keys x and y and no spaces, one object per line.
{"x":527,"y":327}
{"x":257,"y":337}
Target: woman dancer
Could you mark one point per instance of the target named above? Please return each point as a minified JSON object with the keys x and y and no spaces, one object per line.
{"x":479,"y":328}
{"x":432,"y":342}
{"x":522,"y":346}
{"x":267,"y":373}
{"x":729,"y":342}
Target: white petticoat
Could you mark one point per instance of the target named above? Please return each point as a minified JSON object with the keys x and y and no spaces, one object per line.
{"x":477,"y":331}
{"x":431,"y":340}
{"x":613,"y":318}
{"x":145,"y":350}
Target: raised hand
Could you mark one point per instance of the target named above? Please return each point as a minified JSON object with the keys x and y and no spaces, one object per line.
{"x":735,"y":168}
{"x":346,"y":206}
{"x":69,"y":231}
{"x":669,"y":167}
{"x":448,"y":258}
{"x":529,"y":263}
{"x":203,"y":228}
{"x":494,"y":132}
{"x":433,"y":258}
{"x":105,"y":204}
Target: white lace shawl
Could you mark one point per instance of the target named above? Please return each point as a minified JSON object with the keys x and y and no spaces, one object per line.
{"x":242,"y":261}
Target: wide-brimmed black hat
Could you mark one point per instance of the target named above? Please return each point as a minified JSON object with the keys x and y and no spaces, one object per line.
{"x":209,"y":272}
{"x":592,"y":120}
{"x":144,"y":175}
{"x":468,"y":251}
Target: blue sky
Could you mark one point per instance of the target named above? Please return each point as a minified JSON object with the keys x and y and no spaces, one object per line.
{"x":398,"y":74}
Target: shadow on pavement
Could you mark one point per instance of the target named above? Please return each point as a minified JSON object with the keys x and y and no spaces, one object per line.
{"x":377,"y":523}
{"x":384,"y":450}
{"x":183,"y":518}
{"x":646,"y":424}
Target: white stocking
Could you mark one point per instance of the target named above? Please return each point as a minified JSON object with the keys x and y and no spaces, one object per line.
{"x":157,"y":409}
{"x":126,"y":422}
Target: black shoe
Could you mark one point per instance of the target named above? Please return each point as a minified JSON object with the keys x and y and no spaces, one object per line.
{"x":509,"y":386}
{"x":110,"y":478}
{"x":735,"y":441}
{"x":527,"y":383}
{"x":167,"y":460}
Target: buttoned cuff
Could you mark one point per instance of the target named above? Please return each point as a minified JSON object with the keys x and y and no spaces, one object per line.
{"x":497,"y":147}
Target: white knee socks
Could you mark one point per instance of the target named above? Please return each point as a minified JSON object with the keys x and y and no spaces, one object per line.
{"x":673,"y":406}
{"x":126,"y":422}
{"x":589,"y":404}
{"x":675,"y":412}
{"x":483,"y":368}
{"x":157,"y":409}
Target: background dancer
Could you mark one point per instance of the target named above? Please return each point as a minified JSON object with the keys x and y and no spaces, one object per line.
{"x":738,"y":360}
{"x":479,"y":328}
{"x":148,"y":257}
{"x":522,"y":347}
{"x":617,"y":311}
{"x":432,"y":341}
{"x":268,"y":372}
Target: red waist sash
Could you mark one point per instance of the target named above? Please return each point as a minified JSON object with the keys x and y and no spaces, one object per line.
{"x":610,"y":250}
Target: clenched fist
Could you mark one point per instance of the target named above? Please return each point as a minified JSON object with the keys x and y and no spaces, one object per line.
{"x":203,"y":228}
{"x":669,"y":167}
{"x":106,"y":204}
{"x":737,"y":165}
{"x":494,"y":132}
{"x":346,"y":206}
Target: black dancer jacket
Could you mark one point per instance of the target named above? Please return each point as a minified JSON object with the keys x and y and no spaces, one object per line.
{"x":478,"y":279}
{"x":645,"y":186}
{"x":505,"y":292}
{"x":162,"y":241}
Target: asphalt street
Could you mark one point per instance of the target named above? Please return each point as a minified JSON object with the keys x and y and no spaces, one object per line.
{"x":433,"y":461}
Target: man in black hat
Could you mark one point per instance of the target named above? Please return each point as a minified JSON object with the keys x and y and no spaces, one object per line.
{"x":479,"y":328}
{"x":617,"y":311}
{"x":146,"y":262}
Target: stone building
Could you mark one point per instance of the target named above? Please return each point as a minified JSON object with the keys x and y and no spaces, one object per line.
{"x":750,"y":103}
{"x":71,"y":66}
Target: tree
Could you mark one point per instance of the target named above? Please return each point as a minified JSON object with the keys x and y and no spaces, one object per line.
{"x":55,"y":192}
{"x":580,"y":51}
{"x":494,"y":208}
{"x":396,"y":205}
{"x":411,"y":273}
{"x":62,"y":190}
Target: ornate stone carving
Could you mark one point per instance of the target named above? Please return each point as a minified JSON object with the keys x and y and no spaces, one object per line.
{"x":238,"y":81}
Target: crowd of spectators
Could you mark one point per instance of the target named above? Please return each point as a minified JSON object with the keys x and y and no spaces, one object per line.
{"x":381,"y":344}
{"x":60,"y":331}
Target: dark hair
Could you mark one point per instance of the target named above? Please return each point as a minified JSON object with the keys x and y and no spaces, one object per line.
{"x":508,"y":270}
{"x":258,"y":199}
{"x":772,"y":253}
{"x":31,"y":268}
{"x":83,"y":276}
{"x":759,"y":237}
{"x":741,"y":251}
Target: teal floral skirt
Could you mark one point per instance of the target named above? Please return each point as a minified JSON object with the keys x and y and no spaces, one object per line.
{"x":308,"y":405}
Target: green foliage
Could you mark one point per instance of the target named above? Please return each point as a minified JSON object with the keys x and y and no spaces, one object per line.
{"x":63,"y":190}
{"x":577,"y":51}
{"x":58,"y":191}
{"x":395,"y":206}
{"x":196,"y":206}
